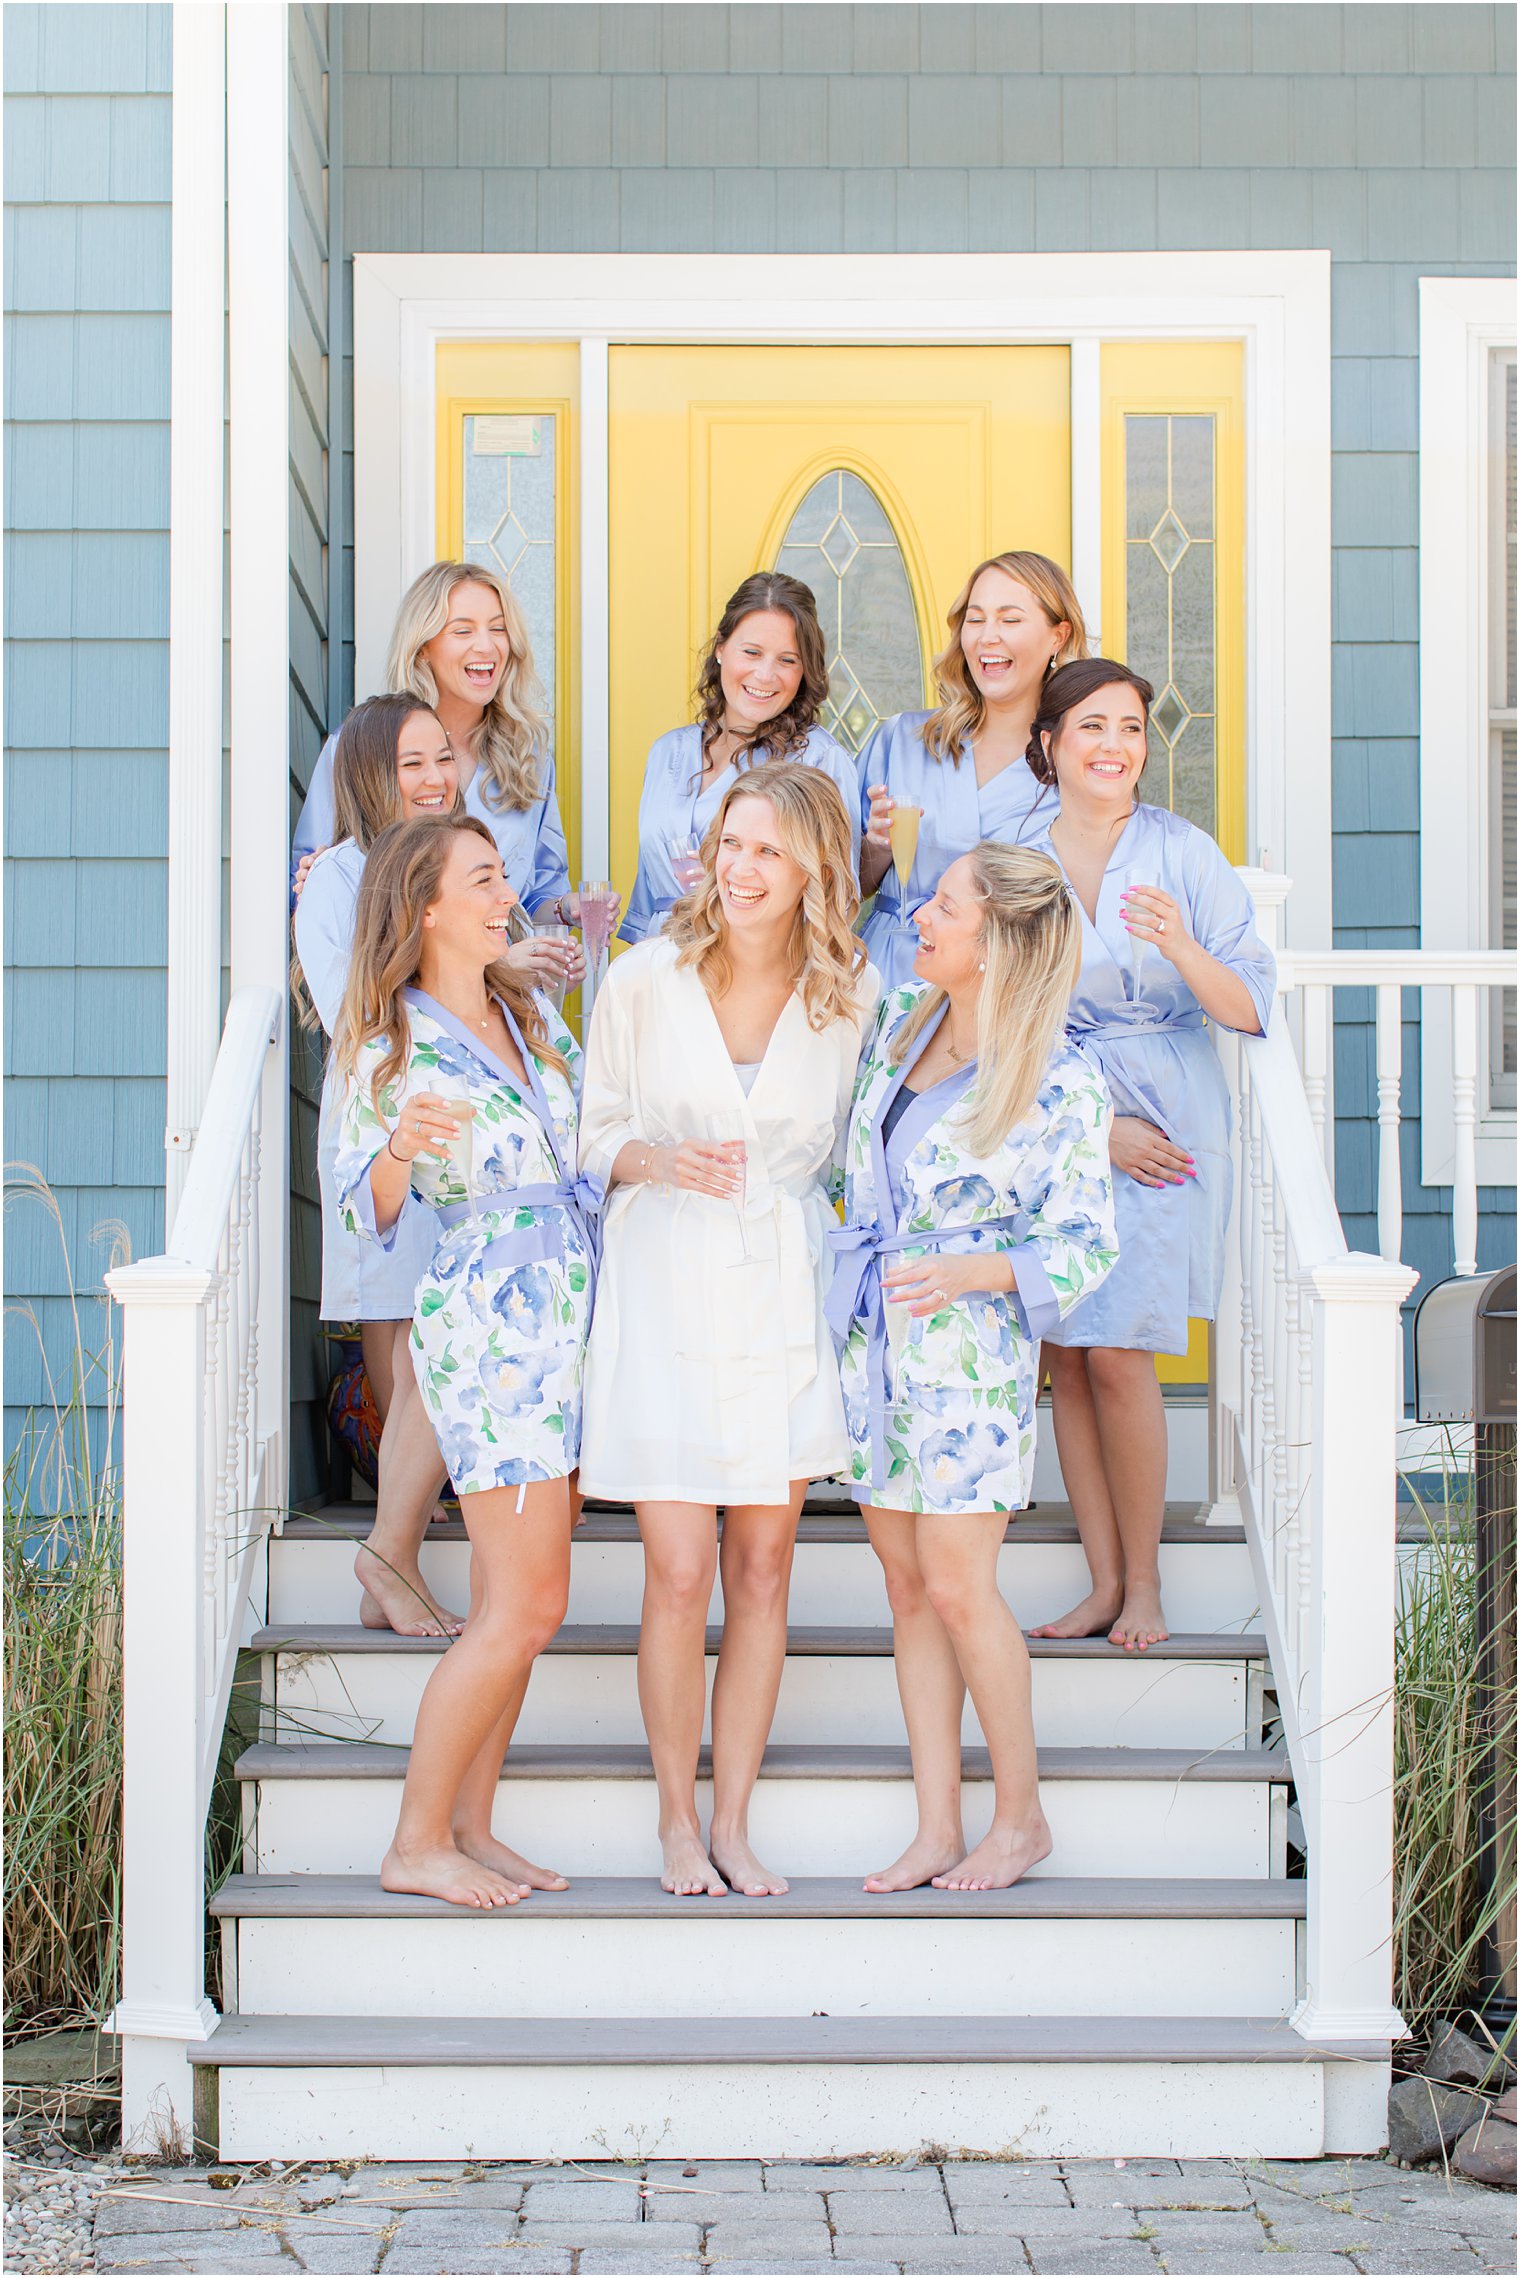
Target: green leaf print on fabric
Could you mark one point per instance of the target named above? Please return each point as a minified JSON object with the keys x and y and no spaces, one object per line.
{"x":431,"y":1301}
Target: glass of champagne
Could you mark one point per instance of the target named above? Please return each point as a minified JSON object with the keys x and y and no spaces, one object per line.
{"x":456,"y":1090}
{"x":550,"y":929}
{"x":686,"y":859}
{"x":597,"y":902}
{"x":730,"y":1130}
{"x":904,"y":829}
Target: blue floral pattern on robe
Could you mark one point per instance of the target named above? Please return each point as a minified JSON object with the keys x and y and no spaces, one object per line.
{"x":960,"y":1431}
{"x":498,"y":1346}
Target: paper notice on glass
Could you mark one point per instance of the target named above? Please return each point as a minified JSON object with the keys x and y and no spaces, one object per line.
{"x":505,"y":435}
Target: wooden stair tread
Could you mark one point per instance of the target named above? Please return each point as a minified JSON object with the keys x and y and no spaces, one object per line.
{"x":297,"y":1897}
{"x":814,"y":1639}
{"x":395,"y":2041}
{"x":1052,"y":1522}
{"x":379,"y":1760}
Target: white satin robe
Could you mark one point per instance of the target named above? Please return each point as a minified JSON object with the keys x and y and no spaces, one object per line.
{"x":710,"y":1379}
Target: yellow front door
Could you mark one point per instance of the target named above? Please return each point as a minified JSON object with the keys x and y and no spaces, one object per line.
{"x":880,"y":475}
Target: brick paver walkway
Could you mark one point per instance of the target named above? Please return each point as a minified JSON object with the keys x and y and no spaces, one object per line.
{"x":1087,"y":2218}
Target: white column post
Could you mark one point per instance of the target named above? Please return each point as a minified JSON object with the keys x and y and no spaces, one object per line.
{"x":196,"y":443}
{"x":1346,"y":1701}
{"x":1465,"y":1002}
{"x":1390,"y":1068}
{"x":163,"y":2007}
{"x":596,"y":756}
{"x":258,"y":171}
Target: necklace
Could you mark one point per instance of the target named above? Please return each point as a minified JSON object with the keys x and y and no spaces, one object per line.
{"x":960,"y":1058}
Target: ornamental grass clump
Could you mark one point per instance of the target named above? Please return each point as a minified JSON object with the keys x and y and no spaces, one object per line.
{"x":1443,"y":1731}
{"x":62,"y":1573}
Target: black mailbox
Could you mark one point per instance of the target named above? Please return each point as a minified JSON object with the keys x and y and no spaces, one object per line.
{"x":1464,"y":1351}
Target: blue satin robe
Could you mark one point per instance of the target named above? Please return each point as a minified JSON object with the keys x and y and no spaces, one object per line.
{"x":957,"y":814}
{"x":670,"y":804}
{"x":531,"y":840}
{"x":360,"y":1280}
{"x":1135,"y":1014}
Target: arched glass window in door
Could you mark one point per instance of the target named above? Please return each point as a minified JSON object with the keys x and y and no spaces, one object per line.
{"x":841,"y":543}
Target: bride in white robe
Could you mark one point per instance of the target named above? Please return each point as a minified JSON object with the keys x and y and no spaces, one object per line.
{"x":719,"y":1066}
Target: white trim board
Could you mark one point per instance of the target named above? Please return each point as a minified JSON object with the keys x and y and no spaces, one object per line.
{"x":1462,"y":320}
{"x":1278,"y":304}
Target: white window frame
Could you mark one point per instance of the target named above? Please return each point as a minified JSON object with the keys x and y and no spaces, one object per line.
{"x":1277,"y":304}
{"x":1462,"y":321}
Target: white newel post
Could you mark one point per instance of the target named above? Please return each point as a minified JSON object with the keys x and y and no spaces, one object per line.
{"x":1346,"y":1705}
{"x":163,"y":2008}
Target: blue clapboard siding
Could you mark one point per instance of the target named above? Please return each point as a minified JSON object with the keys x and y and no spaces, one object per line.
{"x":87,"y":184}
{"x":309,"y":625}
{"x":1385,"y":133}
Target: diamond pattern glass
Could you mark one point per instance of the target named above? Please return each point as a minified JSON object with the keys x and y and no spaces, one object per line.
{"x":841,"y":544}
{"x":509,"y":524}
{"x":1169,"y":602}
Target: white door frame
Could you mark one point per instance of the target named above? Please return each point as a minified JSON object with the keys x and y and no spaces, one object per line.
{"x":1278,"y":304}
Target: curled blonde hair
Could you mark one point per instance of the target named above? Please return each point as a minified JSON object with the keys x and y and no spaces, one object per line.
{"x":514,"y":735}
{"x":958,"y":717}
{"x":402,"y":877}
{"x":1031,"y":943}
{"x":825,"y":954}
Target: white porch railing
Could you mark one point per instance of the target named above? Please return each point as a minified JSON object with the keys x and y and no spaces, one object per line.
{"x":195,"y":1464}
{"x":1457,"y":988}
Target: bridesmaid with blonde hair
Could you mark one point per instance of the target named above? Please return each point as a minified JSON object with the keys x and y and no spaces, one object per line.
{"x":719,"y":1066}
{"x":962,"y":767}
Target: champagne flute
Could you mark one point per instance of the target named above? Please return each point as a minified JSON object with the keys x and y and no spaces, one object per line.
{"x":597,"y":900}
{"x":456,"y":1090}
{"x":731,"y":1131}
{"x":550,"y":929}
{"x":1137,"y":948}
{"x":685,"y":850}
{"x":904,"y":831}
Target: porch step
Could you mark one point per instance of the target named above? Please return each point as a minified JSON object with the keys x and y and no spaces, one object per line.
{"x":316,"y":2086}
{"x":1174,"y":1946}
{"x":1198,"y":1691}
{"x":330,"y":1808}
{"x":836,"y":1577}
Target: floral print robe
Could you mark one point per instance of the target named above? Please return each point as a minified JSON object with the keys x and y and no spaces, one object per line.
{"x":502,"y":1312}
{"x":941,"y":1411}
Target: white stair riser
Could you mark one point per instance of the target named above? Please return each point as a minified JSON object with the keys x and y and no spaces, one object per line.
{"x":1207,"y":1586}
{"x":690,"y":1966}
{"x":575,"y":1698}
{"x":805,"y":1827}
{"x":804,"y":2111}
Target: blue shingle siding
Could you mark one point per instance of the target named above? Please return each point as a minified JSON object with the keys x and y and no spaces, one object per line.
{"x":87,"y":179}
{"x":310,"y":625}
{"x":1385,"y":133}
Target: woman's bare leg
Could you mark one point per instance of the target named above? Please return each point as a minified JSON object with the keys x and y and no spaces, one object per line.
{"x":411,"y":1473}
{"x":1079,"y":1445}
{"x":1132,"y":1431}
{"x":932,"y":1691}
{"x":521,"y":1582}
{"x":680,"y":1564}
{"x":957,"y":1552}
{"x":756,"y":1562}
{"x":478,"y":1790}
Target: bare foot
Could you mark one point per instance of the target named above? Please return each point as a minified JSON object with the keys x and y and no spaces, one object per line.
{"x":441,"y":1516}
{"x":919,"y":1864}
{"x":688,"y":1871}
{"x":403,"y":1602}
{"x":1141,"y":1622}
{"x":489,"y":1853}
{"x":736,"y":1862}
{"x":1001,"y":1857}
{"x":447,"y":1873}
{"x":1090,"y":1619}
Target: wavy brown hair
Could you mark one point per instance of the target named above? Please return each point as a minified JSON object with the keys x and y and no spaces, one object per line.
{"x":962,"y":707}
{"x":366,"y":793}
{"x":825,"y":954}
{"x":1031,"y":944}
{"x":784,"y":736}
{"x":402,"y":880}
{"x":1074,"y":684}
{"x":513,"y":740}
